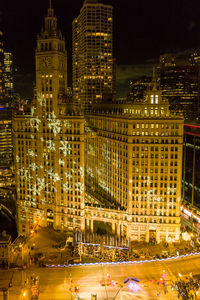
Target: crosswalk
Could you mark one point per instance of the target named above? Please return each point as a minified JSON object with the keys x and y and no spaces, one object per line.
{"x":161,"y":287}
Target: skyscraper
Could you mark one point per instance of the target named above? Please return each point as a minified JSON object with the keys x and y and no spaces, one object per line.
{"x":7,"y":180}
{"x":92,"y":50}
{"x":133,"y":167}
{"x":8,"y":77}
{"x":191,"y":172}
{"x":1,"y":68}
{"x":180,"y":85}
{"x":49,"y":143}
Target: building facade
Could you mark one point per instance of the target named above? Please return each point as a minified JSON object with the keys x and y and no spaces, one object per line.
{"x":118,"y":163}
{"x":7,"y":178}
{"x":191,"y":161}
{"x":49,"y":143}
{"x":180,"y":85}
{"x":133,"y":166}
{"x":1,"y":68}
{"x":8,"y":78}
{"x":138,"y":88}
{"x":92,"y":53}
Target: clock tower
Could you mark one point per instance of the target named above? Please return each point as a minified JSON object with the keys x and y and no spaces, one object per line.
{"x":51,"y":64}
{"x":49,"y":143}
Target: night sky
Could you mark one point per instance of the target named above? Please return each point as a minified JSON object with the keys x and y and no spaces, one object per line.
{"x":143,"y":30}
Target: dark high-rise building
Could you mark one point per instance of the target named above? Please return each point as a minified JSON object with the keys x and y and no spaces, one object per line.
{"x":180,"y":85}
{"x":1,"y":68}
{"x":167,"y":60}
{"x":191,"y":162}
{"x":7,"y":180}
{"x":138,"y":88}
{"x":92,"y":43}
{"x":8,"y":77}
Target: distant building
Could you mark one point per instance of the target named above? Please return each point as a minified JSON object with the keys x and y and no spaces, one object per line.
{"x":92,"y":53}
{"x":1,"y":68}
{"x":138,"y":88}
{"x":195,"y":58}
{"x":167,"y":60}
{"x":5,"y":249}
{"x":180,"y":85}
{"x":8,"y":78}
{"x":191,"y":162}
{"x":7,"y":178}
{"x":7,"y":182}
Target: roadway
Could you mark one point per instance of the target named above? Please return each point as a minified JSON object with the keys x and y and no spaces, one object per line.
{"x":55,"y":282}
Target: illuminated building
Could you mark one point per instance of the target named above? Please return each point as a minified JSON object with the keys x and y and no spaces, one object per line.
{"x":195,"y":58}
{"x":133,"y":168}
{"x":179,"y":84}
{"x":49,"y":143}
{"x":191,"y":161}
{"x":8,"y":76}
{"x":92,"y":52}
{"x":138,"y":87}
{"x":120,"y":163}
{"x":7,"y":182}
{"x":1,"y":68}
{"x":167,"y":60}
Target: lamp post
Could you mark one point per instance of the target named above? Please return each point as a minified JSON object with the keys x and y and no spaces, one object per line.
{"x":117,"y":292}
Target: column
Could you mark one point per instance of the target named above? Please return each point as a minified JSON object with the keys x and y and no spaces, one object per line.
{"x":158,"y":235}
{"x":91,"y":225}
{"x":138,"y":233}
{"x":147,"y":234}
{"x":118,"y":229}
{"x":113,"y":227}
{"x":167,"y":232}
{"x":87,"y":224}
{"x":193,"y":171}
{"x":82,"y":224}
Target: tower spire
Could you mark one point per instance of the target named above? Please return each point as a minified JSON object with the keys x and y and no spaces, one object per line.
{"x":50,"y":6}
{"x":154,"y":82}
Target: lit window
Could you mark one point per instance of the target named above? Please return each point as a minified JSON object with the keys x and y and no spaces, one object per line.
{"x":156,"y":101}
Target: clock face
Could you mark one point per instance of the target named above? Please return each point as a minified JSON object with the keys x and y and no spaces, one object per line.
{"x":46,"y":62}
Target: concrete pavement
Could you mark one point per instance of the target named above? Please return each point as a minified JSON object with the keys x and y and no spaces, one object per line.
{"x":54,"y":283}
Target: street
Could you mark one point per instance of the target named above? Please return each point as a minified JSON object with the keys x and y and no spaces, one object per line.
{"x":54,"y":283}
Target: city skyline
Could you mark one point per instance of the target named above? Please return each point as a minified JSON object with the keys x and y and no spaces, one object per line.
{"x":88,"y":179}
{"x":118,"y":163}
{"x":142,"y":32}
